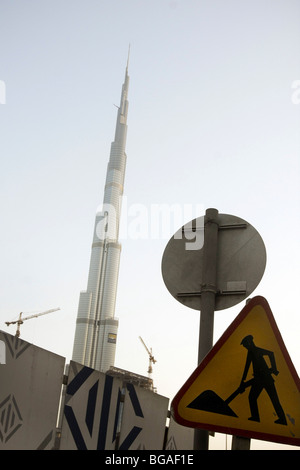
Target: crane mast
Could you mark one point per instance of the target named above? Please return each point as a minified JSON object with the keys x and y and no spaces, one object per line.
{"x":21,"y":320}
{"x":151,"y":358}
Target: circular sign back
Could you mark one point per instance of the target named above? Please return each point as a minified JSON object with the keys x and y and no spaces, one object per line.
{"x":240,"y":266}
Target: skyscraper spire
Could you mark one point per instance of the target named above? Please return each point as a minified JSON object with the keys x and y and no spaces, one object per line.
{"x":96,"y":326}
{"x":128,"y":58}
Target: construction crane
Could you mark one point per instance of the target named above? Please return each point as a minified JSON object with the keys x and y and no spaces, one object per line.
{"x":21,"y":320}
{"x":151,"y":358}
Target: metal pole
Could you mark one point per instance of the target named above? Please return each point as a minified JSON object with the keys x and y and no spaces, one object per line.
{"x":208,"y":295}
{"x":240,"y":443}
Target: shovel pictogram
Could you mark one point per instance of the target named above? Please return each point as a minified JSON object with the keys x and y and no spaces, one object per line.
{"x":210,"y":401}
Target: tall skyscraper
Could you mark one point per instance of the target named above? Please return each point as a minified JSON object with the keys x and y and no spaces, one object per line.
{"x":96,"y":326}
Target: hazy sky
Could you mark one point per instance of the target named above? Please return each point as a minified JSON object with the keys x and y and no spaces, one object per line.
{"x":214,"y":111}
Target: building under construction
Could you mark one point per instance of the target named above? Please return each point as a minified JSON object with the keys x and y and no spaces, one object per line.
{"x":96,"y":326}
{"x":132,"y":377}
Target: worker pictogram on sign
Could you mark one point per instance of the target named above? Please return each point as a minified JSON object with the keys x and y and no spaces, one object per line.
{"x":262,"y":380}
{"x":247,"y":384}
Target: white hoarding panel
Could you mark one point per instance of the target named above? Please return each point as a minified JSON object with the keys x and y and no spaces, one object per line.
{"x":30,"y":387}
{"x":91,"y":410}
{"x":143,"y":419}
{"x":179,"y":437}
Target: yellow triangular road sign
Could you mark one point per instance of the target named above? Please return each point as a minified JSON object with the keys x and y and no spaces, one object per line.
{"x":247,"y":384}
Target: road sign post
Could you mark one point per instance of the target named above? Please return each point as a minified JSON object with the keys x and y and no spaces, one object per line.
{"x":208,"y":297}
{"x":214,"y":276}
